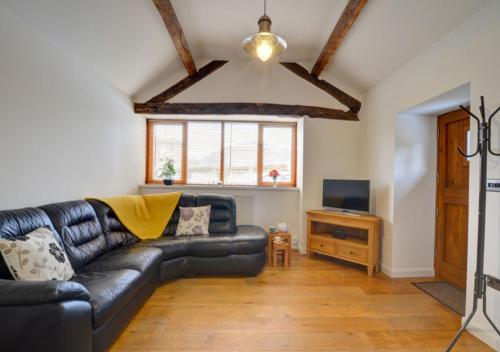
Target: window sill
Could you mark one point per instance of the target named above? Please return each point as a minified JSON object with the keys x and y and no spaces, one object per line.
{"x":221,"y":187}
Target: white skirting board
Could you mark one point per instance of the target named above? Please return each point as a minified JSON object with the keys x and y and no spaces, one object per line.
{"x":402,"y":273}
{"x":489,"y":337}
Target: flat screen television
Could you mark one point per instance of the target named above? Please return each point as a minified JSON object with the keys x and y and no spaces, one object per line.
{"x":347,"y":195}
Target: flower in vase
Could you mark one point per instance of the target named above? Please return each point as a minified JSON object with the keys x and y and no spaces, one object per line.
{"x":274,"y":174}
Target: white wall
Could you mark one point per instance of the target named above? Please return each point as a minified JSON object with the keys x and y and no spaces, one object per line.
{"x":64,"y":133}
{"x":331,"y":149}
{"x":415,"y":194}
{"x":470,"y":53}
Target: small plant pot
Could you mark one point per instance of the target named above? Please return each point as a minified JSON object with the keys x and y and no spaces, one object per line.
{"x":168,"y":182}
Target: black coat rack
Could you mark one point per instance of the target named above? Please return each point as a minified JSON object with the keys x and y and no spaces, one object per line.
{"x":481,"y":280}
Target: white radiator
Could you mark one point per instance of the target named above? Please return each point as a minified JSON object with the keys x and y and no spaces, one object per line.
{"x":244,"y":210}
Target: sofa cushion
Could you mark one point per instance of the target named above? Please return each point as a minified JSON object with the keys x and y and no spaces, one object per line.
{"x":37,"y":256}
{"x":247,"y":240}
{"x":109,"y":291}
{"x":143,"y":259}
{"x":19,"y":222}
{"x":171,"y":247}
{"x":222,"y":214}
{"x":80,"y":231}
{"x":193,"y":221}
{"x":115,"y":233}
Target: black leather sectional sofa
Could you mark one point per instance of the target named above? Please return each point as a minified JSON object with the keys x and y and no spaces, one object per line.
{"x":115,"y":272}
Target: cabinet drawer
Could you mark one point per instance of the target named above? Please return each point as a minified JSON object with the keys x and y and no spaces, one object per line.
{"x":322,"y":244}
{"x":356,"y":253}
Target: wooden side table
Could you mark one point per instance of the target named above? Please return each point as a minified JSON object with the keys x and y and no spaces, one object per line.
{"x":270,"y":237}
{"x":285,"y":248}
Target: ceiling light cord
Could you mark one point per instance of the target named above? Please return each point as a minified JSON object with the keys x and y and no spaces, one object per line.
{"x":265,"y":7}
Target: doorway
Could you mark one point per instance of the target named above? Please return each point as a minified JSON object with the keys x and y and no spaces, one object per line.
{"x":415,"y":187}
{"x":452,"y":198}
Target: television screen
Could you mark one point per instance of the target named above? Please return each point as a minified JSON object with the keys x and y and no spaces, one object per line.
{"x":347,"y":195}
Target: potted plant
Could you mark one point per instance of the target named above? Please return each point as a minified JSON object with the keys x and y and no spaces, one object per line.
{"x":167,"y":172}
{"x":274,"y":174}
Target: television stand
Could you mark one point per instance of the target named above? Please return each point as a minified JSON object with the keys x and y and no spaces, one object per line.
{"x":339,"y":211}
{"x":345,"y":212}
{"x":360,"y":245}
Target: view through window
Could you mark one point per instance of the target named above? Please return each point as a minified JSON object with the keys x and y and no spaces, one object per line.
{"x":222,"y":152}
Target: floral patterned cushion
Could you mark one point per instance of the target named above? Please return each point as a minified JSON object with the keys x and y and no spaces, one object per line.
{"x":193,"y":221}
{"x":36,"y":256}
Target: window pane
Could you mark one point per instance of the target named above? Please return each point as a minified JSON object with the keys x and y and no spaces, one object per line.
{"x":277,"y":153}
{"x":240,"y":153}
{"x":167,"y":144}
{"x":203,"y":155}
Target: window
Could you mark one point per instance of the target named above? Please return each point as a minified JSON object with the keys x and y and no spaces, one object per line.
{"x":222,"y":152}
{"x":167,"y":143}
{"x":241,"y":143}
{"x":203,"y":153}
{"x":277,"y":153}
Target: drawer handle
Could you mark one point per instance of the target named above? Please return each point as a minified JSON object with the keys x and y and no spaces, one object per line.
{"x":351,"y":252}
{"x":321,"y":245}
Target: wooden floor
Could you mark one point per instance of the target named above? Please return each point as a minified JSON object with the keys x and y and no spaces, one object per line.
{"x":317,"y":304}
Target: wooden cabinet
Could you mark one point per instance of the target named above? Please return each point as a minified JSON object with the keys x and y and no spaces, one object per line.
{"x":361,"y":242}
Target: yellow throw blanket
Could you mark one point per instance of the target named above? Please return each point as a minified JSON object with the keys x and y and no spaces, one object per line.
{"x":145,"y":216}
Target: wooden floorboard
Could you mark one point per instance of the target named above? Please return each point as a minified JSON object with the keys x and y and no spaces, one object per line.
{"x":318,"y":304}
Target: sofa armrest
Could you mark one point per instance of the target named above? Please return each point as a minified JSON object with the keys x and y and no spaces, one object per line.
{"x":252,"y":238}
{"x":252,"y":231}
{"x":56,"y":327}
{"x":21,"y":293}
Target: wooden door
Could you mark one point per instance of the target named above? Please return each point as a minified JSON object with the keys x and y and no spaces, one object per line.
{"x":452,"y":198}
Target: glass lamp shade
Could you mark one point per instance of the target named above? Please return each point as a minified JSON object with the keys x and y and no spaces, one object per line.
{"x":264,"y":44}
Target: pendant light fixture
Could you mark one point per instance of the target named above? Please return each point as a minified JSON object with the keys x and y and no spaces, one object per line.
{"x":264,"y":44}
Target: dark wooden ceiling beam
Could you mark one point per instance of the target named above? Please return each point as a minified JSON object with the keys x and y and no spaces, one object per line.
{"x":353,"y":104}
{"x":345,"y":22}
{"x":244,"y":109}
{"x":187,"y":82}
{"x":174,"y":29}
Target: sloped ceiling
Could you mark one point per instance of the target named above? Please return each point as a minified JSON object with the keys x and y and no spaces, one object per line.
{"x":126,"y":43}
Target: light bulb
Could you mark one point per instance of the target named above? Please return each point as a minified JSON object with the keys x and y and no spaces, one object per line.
{"x":264,"y":50}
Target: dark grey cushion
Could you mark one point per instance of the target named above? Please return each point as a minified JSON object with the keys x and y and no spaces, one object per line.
{"x":222,"y":212}
{"x":115,"y":233}
{"x":143,"y":259}
{"x":80,"y":231}
{"x":109,"y":291}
